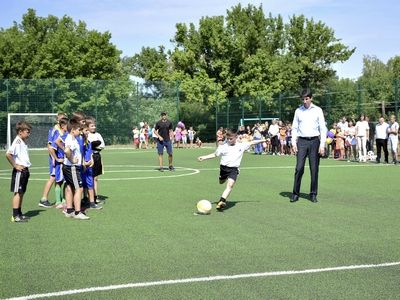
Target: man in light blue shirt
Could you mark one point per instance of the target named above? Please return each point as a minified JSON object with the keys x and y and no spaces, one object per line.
{"x":308,"y":140}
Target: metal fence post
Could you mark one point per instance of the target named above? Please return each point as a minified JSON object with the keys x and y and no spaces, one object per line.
{"x":396,"y":96}
{"x":177,"y":100}
{"x":7,"y":92}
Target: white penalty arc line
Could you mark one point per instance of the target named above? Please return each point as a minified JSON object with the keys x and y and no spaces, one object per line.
{"x":201,"y":279}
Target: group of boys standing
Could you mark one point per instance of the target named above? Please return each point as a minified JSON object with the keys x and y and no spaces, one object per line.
{"x":74,"y":159}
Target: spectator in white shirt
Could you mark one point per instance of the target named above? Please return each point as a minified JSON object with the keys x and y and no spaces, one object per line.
{"x":381,"y":137}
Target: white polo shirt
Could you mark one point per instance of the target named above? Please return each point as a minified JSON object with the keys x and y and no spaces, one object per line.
{"x":381,"y":131}
{"x":19,"y":151}
{"x":231,"y":156}
{"x":72,"y":143}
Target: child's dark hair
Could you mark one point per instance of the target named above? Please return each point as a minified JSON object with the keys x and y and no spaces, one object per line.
{"x":231,"y":132}
{"x":73,"y":124}
{"x":63,"y":121}
{"x":90,"y":120}
{"x":22,"y":125}
{"x":78,"y":116}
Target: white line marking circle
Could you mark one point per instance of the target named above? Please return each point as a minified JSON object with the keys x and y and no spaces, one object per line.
{"x":165,"y":174}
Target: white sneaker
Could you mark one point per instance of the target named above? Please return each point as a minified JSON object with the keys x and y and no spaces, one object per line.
{"x":67,"y":215}
{"x":81,"y":216}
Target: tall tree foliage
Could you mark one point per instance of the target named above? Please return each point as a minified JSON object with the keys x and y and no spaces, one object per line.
{"x":247,"y":52}
{"x":57,"y":48}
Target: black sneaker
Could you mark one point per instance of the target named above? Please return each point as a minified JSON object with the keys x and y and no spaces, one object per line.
{"x":45,"y":204}
{"x":18,"y":219}
{"x":25,"y":217}
{"x":221,"y":205}
{"x":95,"y":206}
{"x":171,"y":168}
{"x":161,"y":169}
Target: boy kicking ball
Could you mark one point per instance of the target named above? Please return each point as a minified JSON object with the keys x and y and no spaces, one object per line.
{"x":231,"y":152}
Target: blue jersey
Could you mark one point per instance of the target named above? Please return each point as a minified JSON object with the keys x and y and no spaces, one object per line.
{"x":51,"y":132}
{"x":58,"y":136}
{"x":81,"y":143}
{"x":87,"y":152}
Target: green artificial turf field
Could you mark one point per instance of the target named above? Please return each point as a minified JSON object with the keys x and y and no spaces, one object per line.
{"x":147,"y":243}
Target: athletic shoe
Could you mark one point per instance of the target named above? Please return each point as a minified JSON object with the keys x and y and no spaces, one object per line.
{"x":81,"y":216}
{"x":221,"y":205}
{"x":18,"y":219}
{"x":45,"y":203}
{"x":25,"y":217}
{"x":171,"y":168}
{"x":95,"y":206}
{"x":161,"y":169}
{"x":69,"y":215}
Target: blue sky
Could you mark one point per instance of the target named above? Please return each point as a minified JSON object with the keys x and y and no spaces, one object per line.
{"x":370,"y":26}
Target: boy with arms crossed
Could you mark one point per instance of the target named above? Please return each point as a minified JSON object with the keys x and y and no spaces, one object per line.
{"x":72,"y":172}
{"x":58,"y":146}
{"x":97,"y":144}
{"x":17,"y":155}
{"x":44,"y":202}
{"x":231,"y":153}
{"x":87,"y":174}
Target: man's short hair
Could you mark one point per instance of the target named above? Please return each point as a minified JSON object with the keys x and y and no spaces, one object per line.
{"x":163,"y":114}
{"x":306,"y":92}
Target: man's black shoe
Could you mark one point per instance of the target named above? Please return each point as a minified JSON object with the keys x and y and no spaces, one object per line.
{"x":313,"y":198}
{"x":294,"y":198}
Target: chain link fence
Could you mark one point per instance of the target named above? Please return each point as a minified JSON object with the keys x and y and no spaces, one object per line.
{"x":118,"y":106}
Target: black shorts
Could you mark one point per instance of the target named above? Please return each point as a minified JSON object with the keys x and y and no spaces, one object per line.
{"x":72,"y":176}
{"x":98,"y":165}
{"x":228,"y":172}
{"x":19,"y":180}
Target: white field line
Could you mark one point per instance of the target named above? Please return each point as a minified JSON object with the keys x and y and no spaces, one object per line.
{"x":193,"y":171}
{"x":216,"y":168}
{"x":201,"y":279}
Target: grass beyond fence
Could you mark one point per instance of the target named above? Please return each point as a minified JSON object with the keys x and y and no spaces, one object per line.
{"x":147,"y":234}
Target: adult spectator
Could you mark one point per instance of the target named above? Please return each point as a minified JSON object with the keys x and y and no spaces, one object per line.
{"x":163,"y":131}
{"x":308,"y":140}
{"x":362,"y":134}
{"x":393,"y":137}
{"x":381,"y":135}
{"x":273,"y":132}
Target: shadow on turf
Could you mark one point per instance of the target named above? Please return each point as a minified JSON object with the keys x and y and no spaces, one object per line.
{"x":288,"y":195}
{"x":102,"y":197}
{"x":34,"y":213}
{"x":231,"y":204}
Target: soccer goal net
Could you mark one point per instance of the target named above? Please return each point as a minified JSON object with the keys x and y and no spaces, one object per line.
{"x":40,"y":122}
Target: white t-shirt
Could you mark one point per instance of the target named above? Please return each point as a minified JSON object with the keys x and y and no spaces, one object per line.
{"x":381,"y":130}
{"x":231,"y":156}
{"x":72,"y":143}
{"x":362,"y":127}
{"x":273,"y":129}
{"x":19,"y":151}
{"x":393,"y":127}
{"x":95,"y":136}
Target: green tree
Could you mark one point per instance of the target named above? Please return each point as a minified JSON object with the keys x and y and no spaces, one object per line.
{"x":57,"y":48}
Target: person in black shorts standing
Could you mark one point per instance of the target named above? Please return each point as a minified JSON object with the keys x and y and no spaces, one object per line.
{"x":18,"y":157}
{"x":163,"y":132}
{"x":231,"y":153}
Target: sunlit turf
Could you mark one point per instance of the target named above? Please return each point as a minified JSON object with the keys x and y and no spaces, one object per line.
{"x":148,"y":231}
